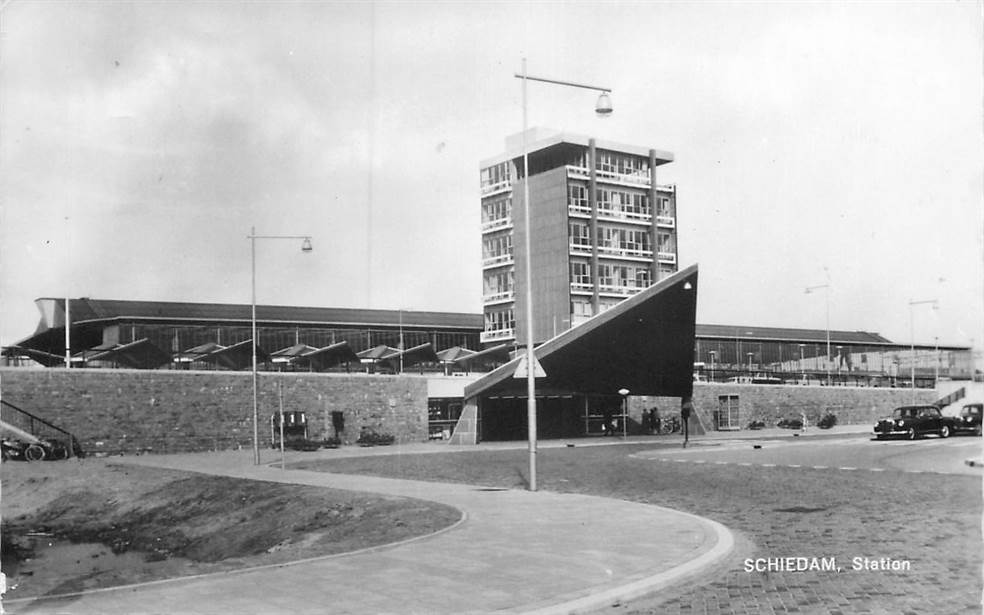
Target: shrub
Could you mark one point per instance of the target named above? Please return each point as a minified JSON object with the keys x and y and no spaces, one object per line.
{"x":827,"y":421}
{"x":790,"y":423}
{"x":369,"y":437}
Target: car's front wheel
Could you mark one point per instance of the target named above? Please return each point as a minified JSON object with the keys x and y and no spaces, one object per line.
{"x":34,"y":452}
{"x":945,"y":431}
{"x":911,"y":434}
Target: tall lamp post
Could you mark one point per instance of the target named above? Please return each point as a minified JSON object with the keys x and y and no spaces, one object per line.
{"x":912,"y":344}
{"x":826,"y":293}
{"x":305,"y":247}
{"x":603,"y":108}
{"x":625,"y":410}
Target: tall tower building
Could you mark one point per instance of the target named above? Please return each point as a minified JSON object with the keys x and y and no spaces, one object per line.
{"x":602,"y":230}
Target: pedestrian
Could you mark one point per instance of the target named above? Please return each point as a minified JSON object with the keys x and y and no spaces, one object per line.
{"x":657,"y":421}
{"x":607,"y":426}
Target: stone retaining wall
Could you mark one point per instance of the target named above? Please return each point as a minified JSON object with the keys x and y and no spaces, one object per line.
{"x":770,"y":403}
{"x":135,"y":411}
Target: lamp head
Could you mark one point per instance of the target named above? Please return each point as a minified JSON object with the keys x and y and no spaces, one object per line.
{"x":306,"y":246}
{"x":604,"y":105}
{"x":623,"y":392}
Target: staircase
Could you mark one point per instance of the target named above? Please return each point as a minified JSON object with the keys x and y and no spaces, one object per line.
{"x":19,"y":424}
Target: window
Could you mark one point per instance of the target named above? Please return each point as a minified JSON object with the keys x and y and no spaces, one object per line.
{"x":495,"y":177}
{"x":580,"y":274}
{"x":499,"y":320}
{"x":497,"y":209}
{"x":496,"y":246}
{"x":497,"y":283}
{"x":580,"y":234}
{"x":577,"y":197}
{"x":581,"y":309}
{"x":665,"y":241}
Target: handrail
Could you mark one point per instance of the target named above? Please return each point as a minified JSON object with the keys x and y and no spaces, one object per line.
{"x":73,"y":447}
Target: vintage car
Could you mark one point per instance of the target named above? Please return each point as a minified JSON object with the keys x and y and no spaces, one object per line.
{"x":914,"y":421}
{"x":969,"y":420}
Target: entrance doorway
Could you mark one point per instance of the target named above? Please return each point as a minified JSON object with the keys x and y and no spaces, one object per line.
{"x":726,"y":415}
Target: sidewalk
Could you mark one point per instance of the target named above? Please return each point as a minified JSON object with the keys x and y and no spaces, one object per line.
{"x":514,"y":552}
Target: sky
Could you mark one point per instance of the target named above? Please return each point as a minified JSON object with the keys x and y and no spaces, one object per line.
{"x":816,"y":144}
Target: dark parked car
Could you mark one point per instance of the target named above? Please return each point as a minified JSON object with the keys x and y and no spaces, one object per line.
{"x":969,"y":420}
{"x":914,"y":421}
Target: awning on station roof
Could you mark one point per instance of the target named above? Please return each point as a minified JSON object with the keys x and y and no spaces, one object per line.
{"x":197,"y":353}
{"x":644,"y":344}
{"x":424,"y":353}
{"x":329,"y":356}
{"x":490,"y":356}
{"x":237,"y":356}
{"x":141,"y":354}
{"x":44,"y":358}
{"x":450,"y":355}
{"x":291,"y":354}
{"x":378,"y":353}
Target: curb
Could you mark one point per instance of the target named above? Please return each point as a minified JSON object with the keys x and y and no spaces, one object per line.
{"x":723,"y":547}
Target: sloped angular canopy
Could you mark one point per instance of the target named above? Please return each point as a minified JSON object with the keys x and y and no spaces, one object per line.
{"x":378,"y":353}
{"x":44,"y":358}
{"x":644,"y":344}
{"x":423,"y":353}
{"x":141,"y":354}
{"x":291,"y":354}
{"x":489,"y":356}
{"x":450,"y":355}
{"x":323,"y":358}
{"x":197,"y":353}
{"x":237,"y":356}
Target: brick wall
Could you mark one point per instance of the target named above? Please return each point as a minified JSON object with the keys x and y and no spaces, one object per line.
{"x":769,"y":403}
{"x":129,"y":411}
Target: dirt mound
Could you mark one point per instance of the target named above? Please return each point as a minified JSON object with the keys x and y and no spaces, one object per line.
{"x":180,"y":524}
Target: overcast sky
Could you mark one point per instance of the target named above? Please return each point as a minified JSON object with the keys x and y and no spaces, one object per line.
{"x":819,"y":143}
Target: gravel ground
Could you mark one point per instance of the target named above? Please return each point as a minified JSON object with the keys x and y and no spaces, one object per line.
{"x":931,"y":521}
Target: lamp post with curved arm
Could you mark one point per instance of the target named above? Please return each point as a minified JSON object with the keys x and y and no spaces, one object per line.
{"x":603,"y":108}
{"x":305,"y":247}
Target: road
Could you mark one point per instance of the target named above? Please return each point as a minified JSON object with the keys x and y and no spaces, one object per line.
{"x":846,"y":453}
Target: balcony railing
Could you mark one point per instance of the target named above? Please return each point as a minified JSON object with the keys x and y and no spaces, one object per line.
{"x":502,"y":186}
{"x":579,"y":248}
{"x":499,"y":297}
{"x":497,"y":225}
{"x":583,"y":287}
{"x":498,"y":334}
{"x":625,"y":252}
{"x":617,"y":289}
{"x":622,"y":216}
{"x":628,"y":179}
{"x":667,"y":257}
{"x":496,"y":261}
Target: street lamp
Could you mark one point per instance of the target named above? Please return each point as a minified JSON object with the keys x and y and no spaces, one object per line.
{"x":603,"y":107}
{"x":625,"y":409}
{"x":826,"y":293}
{"x":305,"y":247}
{"x":801,"y":362}
{"x":912,"y":344}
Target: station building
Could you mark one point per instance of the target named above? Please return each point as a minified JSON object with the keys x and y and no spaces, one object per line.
{"x":613,"y":312}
